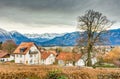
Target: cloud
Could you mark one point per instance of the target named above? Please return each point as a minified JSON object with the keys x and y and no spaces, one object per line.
{"x":44,"y":13}
{"x":51,"y":29}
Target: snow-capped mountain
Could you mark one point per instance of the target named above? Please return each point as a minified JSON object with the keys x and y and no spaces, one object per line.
{"x":114,"y":36}
{"x":18,"y":37}
{"x":68,"y":39}
{"x":45,"y":35}
{"x":4,"y":35}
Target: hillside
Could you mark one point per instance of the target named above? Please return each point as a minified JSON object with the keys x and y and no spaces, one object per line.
{"x":66,"y":39}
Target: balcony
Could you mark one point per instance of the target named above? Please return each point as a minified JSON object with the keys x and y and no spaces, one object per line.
{"x":33,"y":52}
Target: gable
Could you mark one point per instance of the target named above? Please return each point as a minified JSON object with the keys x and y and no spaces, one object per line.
{"x":47,"y":54}
{"x":24,"y":47}
{"x":4,"y":55}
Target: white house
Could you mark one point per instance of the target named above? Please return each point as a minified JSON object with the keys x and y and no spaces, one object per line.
{"x":79,"y":62}
{"x":5,"y":57}
{"x":48,"y":57}
{"x":68,"y":59}
{"x":27,"y":53}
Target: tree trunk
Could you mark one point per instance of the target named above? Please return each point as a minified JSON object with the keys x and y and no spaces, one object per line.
{"x":89,"y":61}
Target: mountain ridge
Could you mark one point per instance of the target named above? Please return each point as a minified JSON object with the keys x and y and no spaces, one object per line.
{"x":66,"y":39}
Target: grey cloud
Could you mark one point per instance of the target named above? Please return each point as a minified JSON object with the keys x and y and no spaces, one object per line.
{"x":36,"y":12}
{"x":43,"y":4}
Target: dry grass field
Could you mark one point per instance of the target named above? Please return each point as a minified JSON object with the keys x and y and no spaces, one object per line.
{"x":14,"y":71}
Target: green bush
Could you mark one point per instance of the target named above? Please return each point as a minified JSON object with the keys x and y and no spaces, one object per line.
{"x":104,"y":66}
{"x":12,"y":61}
{"x":62,"y":77}
{"x":56,"y":74}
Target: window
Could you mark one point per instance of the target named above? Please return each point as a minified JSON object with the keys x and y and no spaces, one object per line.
{"x":3,"y":60}
{"x":34,"y":55}
{"x":29,"y":51}
{"x":31,"y":61}
{"x":26,"y":62}
{"x":17,"y":55}
{"x":61,"y":62}
{"x":51,"y":60}
{"x":20,"y":61}
{"x":30,"y":55}
{"x":35,"y":61}
{"x":43,"y":61}
{"x":20,"y":56}
{"x":22,"y":49}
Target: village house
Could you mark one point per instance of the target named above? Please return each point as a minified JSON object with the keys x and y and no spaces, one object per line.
{"x":5,"y":57}
{"x":48,"y":57}
{"x":69,"y":59}
{"x":27,"y":53}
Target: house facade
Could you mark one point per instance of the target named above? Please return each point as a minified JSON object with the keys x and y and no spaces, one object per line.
{"x":68,"y":59}
{"x":5,"y":57}
{"x":48,"y":57}
{"x":80,"y":62}
{"x":27,"y":53}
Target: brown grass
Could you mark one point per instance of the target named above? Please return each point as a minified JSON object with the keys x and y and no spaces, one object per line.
{"x":14,"y":71}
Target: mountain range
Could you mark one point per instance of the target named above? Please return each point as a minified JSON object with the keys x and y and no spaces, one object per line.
{"x":65,"y":39}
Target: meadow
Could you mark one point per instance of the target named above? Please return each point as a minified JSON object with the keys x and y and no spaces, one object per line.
{"x":19,"y":71}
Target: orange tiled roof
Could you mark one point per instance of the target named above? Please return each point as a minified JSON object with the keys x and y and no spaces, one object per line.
{"x":68,"y":56}
{"x":3,"y":53}
{"x":26,"y":45}
{"x":46,"y":54}
{"x":53,"y":52}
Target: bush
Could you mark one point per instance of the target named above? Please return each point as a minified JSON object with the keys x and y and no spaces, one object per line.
{"x":56,"y":74}
{"x":12,"y":61}
{"x":104,"y":65}
{"x":62,"y":77}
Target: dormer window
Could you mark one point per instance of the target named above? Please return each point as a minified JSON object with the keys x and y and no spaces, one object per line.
{"x":22,"y":49}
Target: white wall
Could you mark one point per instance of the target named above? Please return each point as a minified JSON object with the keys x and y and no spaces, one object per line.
{"x":61,"y":62}
{"x":29,"y":58}
{"x":33,"y":58}
{"x":49,"y":60}
{"x":19,"y":58}
{"x":7,"y":59}
{"x":69,"y":64}
{"x":94,"y":60}
{"x":80,"y":62}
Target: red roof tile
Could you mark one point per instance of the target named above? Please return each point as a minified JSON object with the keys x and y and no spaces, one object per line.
{"x":3,"y":53}
{"x":26,"y":45}
{"x":46,"y":54}
{"x":68,"y":56}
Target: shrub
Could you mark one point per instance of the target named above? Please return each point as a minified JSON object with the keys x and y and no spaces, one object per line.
{"x":12,"y":61}
{"x":56,"y":74}
{"x":104,"y":66}
{"x":62,"y":77}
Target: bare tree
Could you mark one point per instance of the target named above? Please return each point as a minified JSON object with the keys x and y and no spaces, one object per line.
{"x":93,"y":24}
{"x":9,"y":46}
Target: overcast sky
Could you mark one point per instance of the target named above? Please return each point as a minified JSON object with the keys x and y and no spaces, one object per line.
{"x":52,"y":16}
